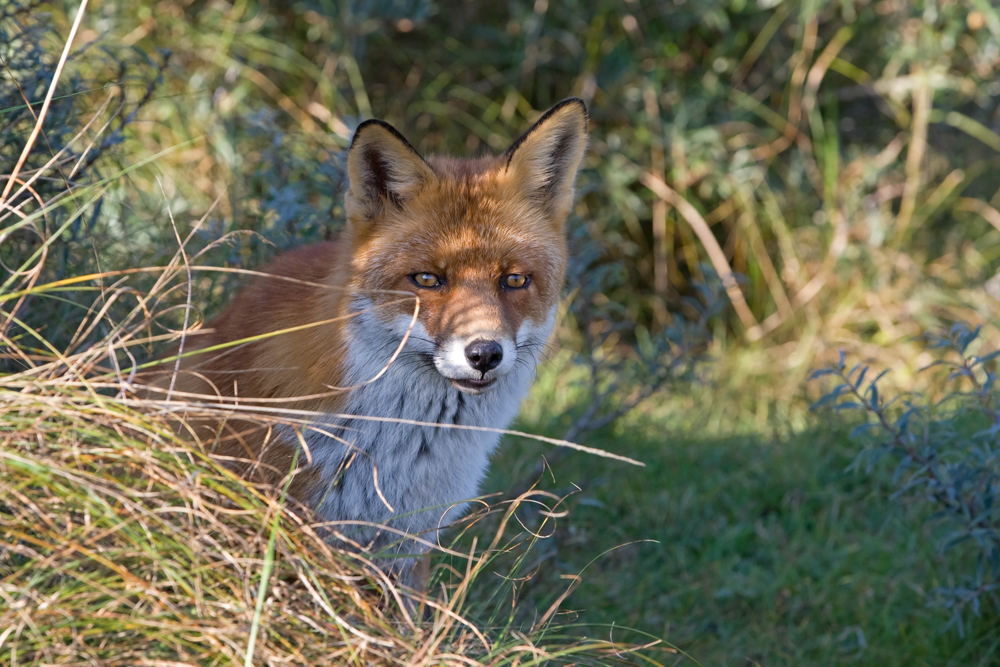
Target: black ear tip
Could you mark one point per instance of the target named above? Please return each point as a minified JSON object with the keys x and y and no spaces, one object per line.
{"x":375,"y":122}
{"x":568,"y":102}
{"x":572,"y":100}
{"x":371,"y":123}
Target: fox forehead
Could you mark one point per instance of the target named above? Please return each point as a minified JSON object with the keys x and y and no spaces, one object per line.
{"x":469,"y":226}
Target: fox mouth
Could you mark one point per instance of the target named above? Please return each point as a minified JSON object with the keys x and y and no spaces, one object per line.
{"x":471,"y":386}
{"x":467,"y":385}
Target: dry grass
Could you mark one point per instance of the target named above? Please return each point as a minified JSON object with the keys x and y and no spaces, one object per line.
{"x":120,"y":545}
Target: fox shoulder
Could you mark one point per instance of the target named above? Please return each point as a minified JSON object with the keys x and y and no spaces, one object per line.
{"x":283,"y":293}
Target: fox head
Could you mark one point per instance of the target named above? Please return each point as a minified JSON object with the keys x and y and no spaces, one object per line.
{"x":480,"y":242}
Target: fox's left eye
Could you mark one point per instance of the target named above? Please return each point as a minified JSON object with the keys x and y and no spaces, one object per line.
{"x":428,"y":280}
{"x":515,"y":281}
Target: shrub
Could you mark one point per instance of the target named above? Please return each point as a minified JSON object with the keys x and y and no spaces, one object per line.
{"x":56,"y":187}
{"x":946,"y":453}
{"x":819,"y":142}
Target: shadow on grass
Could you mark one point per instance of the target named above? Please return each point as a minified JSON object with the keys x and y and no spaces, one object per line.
{"x":767,"y":550}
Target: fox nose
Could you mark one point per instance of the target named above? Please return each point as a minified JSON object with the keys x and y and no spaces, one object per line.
{"x":484,"y":355}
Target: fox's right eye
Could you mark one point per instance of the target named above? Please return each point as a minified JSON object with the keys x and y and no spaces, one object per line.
{"x":428,"y":280}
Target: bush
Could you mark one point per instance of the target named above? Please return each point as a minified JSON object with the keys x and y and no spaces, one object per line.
{"x":946,"y":452}
{"x":817,"y":143}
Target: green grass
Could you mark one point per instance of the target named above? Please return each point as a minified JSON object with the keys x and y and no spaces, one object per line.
{"x":767,"y":550}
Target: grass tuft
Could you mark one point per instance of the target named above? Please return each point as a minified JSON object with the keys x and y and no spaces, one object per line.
{"x":122,"y":545}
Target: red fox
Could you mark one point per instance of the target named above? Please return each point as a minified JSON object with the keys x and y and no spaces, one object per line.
{"x":480,"y":243}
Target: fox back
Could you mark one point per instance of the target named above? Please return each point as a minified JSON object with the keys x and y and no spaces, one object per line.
{"x":414,"y":336}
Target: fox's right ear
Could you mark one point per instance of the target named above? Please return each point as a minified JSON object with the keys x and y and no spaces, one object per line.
{"x":383,"y":169}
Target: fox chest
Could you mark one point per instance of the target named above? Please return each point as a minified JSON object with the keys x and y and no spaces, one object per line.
{"x":409,"y":450}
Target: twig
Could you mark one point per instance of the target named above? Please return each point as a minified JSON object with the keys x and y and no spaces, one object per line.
{"x":48,"y":100}
{"x":712,"y":247}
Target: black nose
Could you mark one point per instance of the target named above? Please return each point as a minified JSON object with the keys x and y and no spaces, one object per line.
{"x":484,"y":355}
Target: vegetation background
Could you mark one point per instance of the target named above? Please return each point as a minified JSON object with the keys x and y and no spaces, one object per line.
{"x":840,"y":157}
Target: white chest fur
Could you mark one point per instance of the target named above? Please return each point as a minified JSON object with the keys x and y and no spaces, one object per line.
{"x":380,"y":467}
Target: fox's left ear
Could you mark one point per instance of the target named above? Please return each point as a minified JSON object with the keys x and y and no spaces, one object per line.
{"x":544,"y":159}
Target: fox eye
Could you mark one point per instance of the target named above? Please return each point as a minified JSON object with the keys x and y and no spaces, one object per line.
{"x":428,"y":280}
{"x":515,"y":281}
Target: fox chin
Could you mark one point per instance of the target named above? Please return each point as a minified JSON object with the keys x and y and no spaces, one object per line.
{"x":428,"y":315}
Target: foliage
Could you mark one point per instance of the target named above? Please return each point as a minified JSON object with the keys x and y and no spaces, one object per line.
{"x":825,"y":149}
{"x":627,"y":362}
{"x":945,"y":453}
{"x":838,"y":154}
{"x":47,"y":234}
